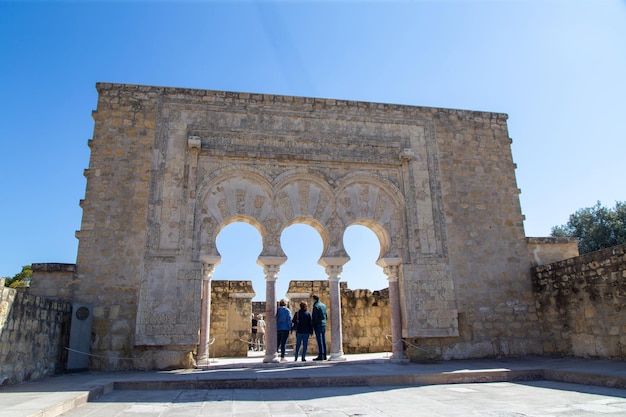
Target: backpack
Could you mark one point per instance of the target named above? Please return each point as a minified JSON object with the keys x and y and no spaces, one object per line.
{"x":294,"y":322}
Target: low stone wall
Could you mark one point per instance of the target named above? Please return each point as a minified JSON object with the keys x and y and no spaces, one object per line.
{"x":53,"y":280}
{"x":546,"y":250}
{"x":33,"y":334}
{"x":231,"y":322}
{"x":366,"y":321}
{"x":581,"y":303}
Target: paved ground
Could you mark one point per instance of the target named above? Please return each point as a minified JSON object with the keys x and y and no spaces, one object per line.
{"x":503,"y":399}
{"x":364,"y":385}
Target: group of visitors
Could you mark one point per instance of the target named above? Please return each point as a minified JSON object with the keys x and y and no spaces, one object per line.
{"x":303,"y":323}
{"x":258,"y":333}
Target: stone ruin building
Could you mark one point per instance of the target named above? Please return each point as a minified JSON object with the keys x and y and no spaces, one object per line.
{"x":171,"y":167}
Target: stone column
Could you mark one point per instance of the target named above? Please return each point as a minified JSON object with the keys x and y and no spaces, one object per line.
{"x":333,"y":267}
{"x":208,"y":267}
{"x":391,"y":267}
{"x":271,"y":266}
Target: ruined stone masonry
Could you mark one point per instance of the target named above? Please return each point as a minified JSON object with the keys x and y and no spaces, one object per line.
{"x":33,"y":334}
{"x":172,"y":167}
{"x":581,"y":303}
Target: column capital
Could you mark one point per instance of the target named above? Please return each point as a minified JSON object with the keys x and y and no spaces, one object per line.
{"x":208,"y":266}
{"x":334,"y":272}
{"x":271,"y":266}
{"x":390,"y":267}
{"x":333,"y":265}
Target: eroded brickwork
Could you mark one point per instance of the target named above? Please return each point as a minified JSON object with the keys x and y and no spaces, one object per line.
{"x":582,"y":304}
{"x":366,"y":321}
{"x":34,"y":332}
{"x":231,"y":309}
{"x":53,"y":280}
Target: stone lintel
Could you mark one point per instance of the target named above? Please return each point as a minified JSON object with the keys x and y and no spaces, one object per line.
{"x":333,"y":261}
{"x":384,"y":262}
{"x":298,"y":295}
{"x":271,"y":260}
{"x":242,"y":295}
{"x":211,"y":260}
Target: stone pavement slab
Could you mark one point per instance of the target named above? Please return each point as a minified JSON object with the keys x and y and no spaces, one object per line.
{"x":257,"y":383}
{"x":503,"y":399}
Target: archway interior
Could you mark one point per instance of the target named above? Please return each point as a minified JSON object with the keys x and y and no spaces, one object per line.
{"x":240,"y":244}
{"x":303,"y":246}
{"x":363,"y":248}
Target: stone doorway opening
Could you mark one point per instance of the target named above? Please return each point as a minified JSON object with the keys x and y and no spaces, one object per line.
{"x":365,"y":308}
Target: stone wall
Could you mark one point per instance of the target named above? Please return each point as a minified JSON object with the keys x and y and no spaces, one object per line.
{"x":112,"y":241}
{"x":483,"y":281}
{"x":581,"y":303}
{"x":52,"y":280}
{"x":33,"y":334}
{"x":258,"y":307}
{"x":231,"y":309}
{"x":546,"y":250}
{"x":366,"y":321}
{"x":171,"y":167}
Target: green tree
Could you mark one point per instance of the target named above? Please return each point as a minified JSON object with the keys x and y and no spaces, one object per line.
{"x":20,"y":279}
{"x":595,"y":227}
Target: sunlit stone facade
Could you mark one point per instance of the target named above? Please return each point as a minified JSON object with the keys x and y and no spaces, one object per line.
{"x":172,"y":167}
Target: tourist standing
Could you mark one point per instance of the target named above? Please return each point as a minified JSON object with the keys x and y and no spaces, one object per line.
{"x":303,"y":323}
{"x":260,"y":332}
{"x":319,"y":318}
{"x":283,"y":325}
{"x":253,"y":333}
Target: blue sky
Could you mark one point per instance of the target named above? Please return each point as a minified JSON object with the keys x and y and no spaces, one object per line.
{"x":557,"y":68}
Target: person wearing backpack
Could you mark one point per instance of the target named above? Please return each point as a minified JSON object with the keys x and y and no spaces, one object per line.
{"x":302,"y":324}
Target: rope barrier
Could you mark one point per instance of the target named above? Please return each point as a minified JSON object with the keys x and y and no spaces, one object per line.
{"x":111,"y":357}
{"x":101,"y":356}
{"x":388,"y":337}
{"x":251,"y":343}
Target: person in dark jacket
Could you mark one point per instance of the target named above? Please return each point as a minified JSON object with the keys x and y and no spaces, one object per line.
{"x":303,"y":323}
{"x":319,"y":317}
{"x":253,"y":341}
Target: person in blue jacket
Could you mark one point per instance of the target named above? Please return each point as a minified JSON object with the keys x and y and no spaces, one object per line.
{"x":283,"y":326}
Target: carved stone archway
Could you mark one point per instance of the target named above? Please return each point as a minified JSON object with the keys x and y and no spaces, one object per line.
{"x":170,"y":167}
{"x":297,"y":196}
